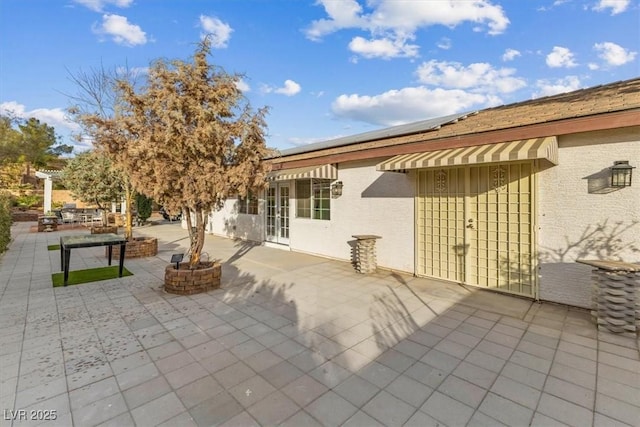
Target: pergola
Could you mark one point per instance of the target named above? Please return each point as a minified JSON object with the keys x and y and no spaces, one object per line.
{"x":48,"y":176}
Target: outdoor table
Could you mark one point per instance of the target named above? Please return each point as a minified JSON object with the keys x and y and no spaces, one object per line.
{"x":85,"y":241}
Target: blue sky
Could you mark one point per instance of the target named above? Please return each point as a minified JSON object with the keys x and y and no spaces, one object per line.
{"x":326,"y":68}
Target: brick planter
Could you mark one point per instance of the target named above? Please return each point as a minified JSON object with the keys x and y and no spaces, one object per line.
{"x":104,"y":230}
{"x":188,"y":282}
{"x":47,"y":223}
{"x":115,"y":219}
{"x":139,"y":247}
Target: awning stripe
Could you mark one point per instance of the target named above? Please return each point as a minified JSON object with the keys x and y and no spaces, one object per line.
{"x":328,"y":171}
{"x":525,"y":149}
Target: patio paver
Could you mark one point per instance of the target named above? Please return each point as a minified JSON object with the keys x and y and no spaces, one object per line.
{"x":293,"y":339}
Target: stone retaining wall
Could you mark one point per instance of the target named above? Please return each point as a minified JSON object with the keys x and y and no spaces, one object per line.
{"x":188,"y":282}
{"x":139,"y":247}
{"x":17,"y":216}
{"x":104,"y":230}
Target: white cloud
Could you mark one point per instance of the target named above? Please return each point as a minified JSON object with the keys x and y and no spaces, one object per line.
{"x":243,"y":86}
{"x":219,"y":32}
{"x":343,"y":14}
{"x":614,"y":55}
{"x":548,"y":87}
{"x":616,"y":6}
{"x":384,"y":48}
{"x":98,"y":5}
{"x":555,"y":4}
{"x":290,"y":88}
{"x":55,"y":117}
{"x":397,"y":22}
{"x":510,"y":55}
{"x":132,"y":72}
{"x":561,"y":57}
{"x":121,"y":31}
{"x":444,"y":43}
{"x":406,"y":105}
{"x":479,"y":77}
{"x":457,"y":88}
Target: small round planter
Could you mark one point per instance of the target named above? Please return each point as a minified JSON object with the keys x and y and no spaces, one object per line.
{"x":104,"y":230}
{"x":138,"y":247}
{"x":188,"y":282}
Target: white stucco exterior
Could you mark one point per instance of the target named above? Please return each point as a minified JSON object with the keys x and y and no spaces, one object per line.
{"x":372,"y":202}
{"x":579,"y":216}
{"x":227,"y":222}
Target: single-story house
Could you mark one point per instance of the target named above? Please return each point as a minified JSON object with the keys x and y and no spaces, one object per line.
{"x":505,"y":198}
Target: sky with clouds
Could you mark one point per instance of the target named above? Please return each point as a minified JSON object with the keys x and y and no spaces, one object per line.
{"x":326,"y":68}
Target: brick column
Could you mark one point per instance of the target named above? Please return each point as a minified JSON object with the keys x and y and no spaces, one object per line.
{"x":616,"y":296}
{"x":365,"y":253}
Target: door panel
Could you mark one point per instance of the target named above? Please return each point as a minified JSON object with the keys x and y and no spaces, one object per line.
{"x":283,"y":203}
{"x":440,"y":223}
{"x":475,"y":226}
{"x":277,"y":217}
{"x":271,"y":214}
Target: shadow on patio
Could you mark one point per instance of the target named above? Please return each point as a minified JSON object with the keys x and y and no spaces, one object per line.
{"x":293,"y":339}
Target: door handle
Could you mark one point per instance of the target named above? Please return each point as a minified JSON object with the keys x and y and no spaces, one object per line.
{"x":470,"y":224}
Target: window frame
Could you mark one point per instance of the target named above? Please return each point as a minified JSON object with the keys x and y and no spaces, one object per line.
{"x":316,"y":201}
{"x":248,"y":205}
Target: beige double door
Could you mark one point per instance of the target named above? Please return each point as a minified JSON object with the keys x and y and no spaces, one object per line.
{"x":475,"y":225}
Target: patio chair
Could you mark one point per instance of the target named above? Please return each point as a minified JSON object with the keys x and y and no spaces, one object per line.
{"x":69,"y":218}
{"x":97,"y":219}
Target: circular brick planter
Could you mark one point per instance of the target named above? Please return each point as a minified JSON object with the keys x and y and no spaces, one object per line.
{"x":104,"y":230}
{"x":188,"y":282}
{"x":139,"y":247}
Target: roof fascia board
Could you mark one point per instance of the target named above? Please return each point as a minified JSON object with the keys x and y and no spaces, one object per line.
{"x":374,"y":149}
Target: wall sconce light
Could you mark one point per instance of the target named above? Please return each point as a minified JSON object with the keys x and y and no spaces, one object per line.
{"x":336,"y":189}
{"x":621,"y":173}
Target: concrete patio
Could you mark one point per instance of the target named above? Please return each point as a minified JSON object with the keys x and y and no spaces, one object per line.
{"x":293,"y":340}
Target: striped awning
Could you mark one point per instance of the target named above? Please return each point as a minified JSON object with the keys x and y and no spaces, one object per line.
{"x":524,"y":149}
{"x":320,"y":172}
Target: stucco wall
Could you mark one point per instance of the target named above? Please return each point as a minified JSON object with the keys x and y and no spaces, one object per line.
{"x":228,"y":223}
{"x":579,"y":216}
{"x":372,"y":202}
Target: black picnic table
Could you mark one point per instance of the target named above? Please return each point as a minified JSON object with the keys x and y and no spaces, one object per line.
{"x":85,"y":241}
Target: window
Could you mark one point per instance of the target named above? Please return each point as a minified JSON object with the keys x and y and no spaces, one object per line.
{"x":313,"y":198}
{"x":248,"y":205}
{"x":303,"y":198}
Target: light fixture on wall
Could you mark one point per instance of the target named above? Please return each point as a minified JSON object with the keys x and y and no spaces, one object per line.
{"x":336,"y":189}
{"x":621,"y":173}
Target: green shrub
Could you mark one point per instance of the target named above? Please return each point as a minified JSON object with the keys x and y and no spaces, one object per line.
{"x":5,"y":221}
{"x":143,"y":205}
{"x":28,"y":200}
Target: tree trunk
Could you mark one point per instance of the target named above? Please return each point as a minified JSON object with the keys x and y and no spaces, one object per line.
{"x":196,"y":235}
{"x":103,"y":213}
{"x":128,"y":222}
